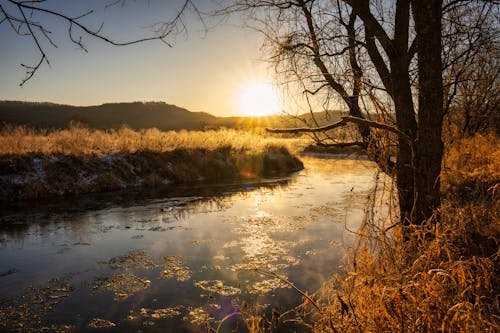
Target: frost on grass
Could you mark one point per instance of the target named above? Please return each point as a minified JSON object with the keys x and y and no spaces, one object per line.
{"x":173,"y":268}
{"x":122,"y":285}
{"x":217,"y":287}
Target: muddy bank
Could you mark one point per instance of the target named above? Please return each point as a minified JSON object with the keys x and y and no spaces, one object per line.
{"x":37,"y":176}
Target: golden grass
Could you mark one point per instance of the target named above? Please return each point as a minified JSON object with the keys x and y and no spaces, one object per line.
{"x":78,"y":140}
{"x":444,"y":278}
{"x":39,"y":163}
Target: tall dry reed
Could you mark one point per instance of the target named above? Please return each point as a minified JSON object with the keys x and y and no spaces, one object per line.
{"x":443,"y":278}
{"x":78,"y":140}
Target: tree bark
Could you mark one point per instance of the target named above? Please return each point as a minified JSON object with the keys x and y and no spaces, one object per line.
{"x":406,"y":122}
{"x":429,"y":145}
{"x":405,"y":112}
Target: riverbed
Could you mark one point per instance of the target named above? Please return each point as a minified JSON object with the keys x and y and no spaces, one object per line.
{"x":180,"y":258}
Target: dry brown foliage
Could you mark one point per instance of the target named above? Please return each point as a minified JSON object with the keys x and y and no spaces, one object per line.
{"x":444,"y":278}
{"x":441,"y":277}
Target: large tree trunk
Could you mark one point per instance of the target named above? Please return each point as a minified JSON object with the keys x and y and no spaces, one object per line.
{"x":405,"y":112}
{"x":405,"y":119}
{"x":429,"y":145}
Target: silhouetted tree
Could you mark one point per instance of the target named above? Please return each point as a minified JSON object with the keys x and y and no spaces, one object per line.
{"x":471,"y":71}
{"x":383,"y":55}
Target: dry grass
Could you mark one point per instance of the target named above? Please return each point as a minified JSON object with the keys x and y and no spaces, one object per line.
{"x":444,"y":278}
{"x":78,"y":140}
{"x":36,"y":164}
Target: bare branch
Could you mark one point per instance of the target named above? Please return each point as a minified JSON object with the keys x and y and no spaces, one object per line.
{"x":345,"y":120}
{"x":25,"y":25}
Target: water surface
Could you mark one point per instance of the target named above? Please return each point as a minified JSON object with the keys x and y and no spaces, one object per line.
{"x":168,"y":261}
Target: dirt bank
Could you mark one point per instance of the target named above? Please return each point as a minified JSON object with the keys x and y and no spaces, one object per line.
{"x":36,"y":176}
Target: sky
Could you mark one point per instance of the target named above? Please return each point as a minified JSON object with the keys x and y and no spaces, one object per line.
{"x":200,"y":72}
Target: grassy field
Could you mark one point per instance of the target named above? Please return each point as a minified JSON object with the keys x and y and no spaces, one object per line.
{"x":79,"y":140}
{"x":36,"y":164}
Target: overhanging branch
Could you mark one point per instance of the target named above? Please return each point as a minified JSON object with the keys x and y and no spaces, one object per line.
{"x":345,"y":120}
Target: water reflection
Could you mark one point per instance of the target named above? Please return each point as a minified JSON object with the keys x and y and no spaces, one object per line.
{"x":179,"y":257}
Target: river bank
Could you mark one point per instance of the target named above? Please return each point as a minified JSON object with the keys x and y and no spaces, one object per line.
{"x":42,"y":163}
{"x":37,"y":176}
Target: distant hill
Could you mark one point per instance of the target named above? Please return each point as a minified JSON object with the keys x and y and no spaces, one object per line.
{"x":140,"y":115}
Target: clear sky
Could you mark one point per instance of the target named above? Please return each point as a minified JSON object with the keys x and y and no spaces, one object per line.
{"x":201,"y":72}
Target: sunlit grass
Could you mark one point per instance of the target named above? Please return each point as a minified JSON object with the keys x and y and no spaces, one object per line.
{"x":37,"y":164}
{"x":79,"y":140}
{"x":441,"y":277}
{"x":444,"y":277}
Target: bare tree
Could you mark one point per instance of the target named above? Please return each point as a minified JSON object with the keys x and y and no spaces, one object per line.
{"x":471,"y":70}
{"x":30,"y":19}
{"x":375,"y":57}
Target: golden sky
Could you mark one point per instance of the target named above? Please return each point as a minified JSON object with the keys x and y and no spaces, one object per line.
{"x":201,"y":72}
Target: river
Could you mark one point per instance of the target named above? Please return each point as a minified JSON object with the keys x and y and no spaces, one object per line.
{"x":173,"y":259}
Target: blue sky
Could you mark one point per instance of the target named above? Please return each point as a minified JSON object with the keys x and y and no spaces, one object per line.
{"x":202,"y":72}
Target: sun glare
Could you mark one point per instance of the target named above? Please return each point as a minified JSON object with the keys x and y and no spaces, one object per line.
{"x":258,"y":98}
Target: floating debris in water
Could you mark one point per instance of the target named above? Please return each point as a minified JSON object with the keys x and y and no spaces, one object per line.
{"x":173,"y":268}
{"x":101,"y":323}
{"x":265,"y":222}
{"x":8,"y":272}
{"x":217,"y":287}
{"x":261,"y":251}
{"x":266,"y":286}
{"x":156,"y":313}
{"x":314,"y":252}
{"x":122,"y":285}
{"x":25,"y":313}
{"x":134,"y":260}
{"x":158,"y":228}
{"x":334,"y":242}
{"x":198,"y":317}
{"x":54,"y":329}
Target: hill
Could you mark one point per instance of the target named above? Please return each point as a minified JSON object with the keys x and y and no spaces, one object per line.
{"x":140,"y":115}
{"x":136,"y":115}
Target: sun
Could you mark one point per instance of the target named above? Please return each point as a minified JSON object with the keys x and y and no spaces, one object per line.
{"x":258,"y":98}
